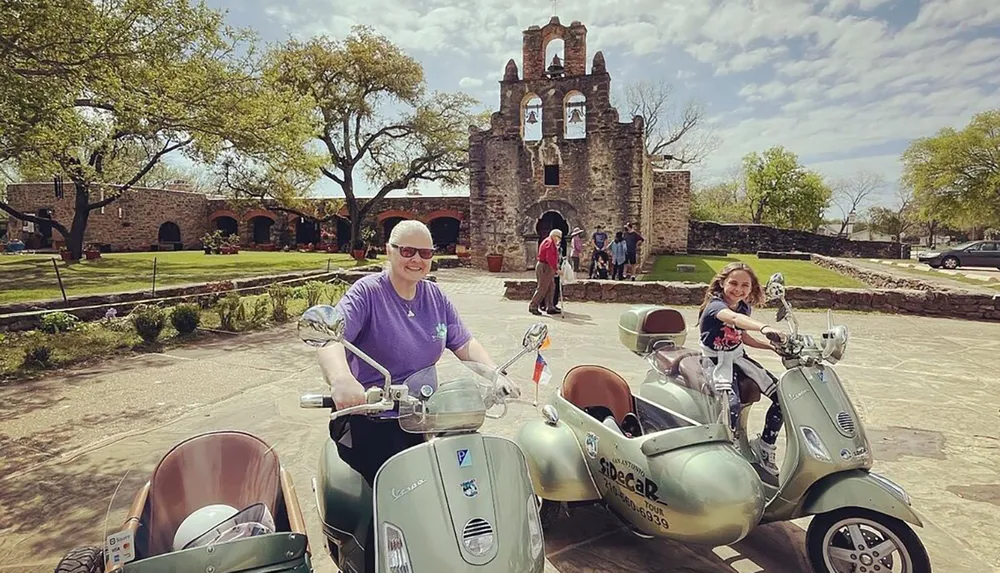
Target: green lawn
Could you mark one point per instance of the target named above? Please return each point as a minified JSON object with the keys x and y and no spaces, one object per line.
{"x":797,"y":273}
{"x":32,"y":278}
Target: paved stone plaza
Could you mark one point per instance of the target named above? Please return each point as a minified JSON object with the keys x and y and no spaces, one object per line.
{"x":926,"y":389}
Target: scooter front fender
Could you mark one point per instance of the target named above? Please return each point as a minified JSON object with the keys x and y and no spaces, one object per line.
{"x":556,"y":464}
{"x":459,"y":503}
{"x":858,"y":488}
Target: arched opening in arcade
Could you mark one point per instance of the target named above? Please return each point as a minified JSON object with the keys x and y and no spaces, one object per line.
{"x":170,"y":233}
{"x":260,"y":228}
{"x":387,"y":224}
{"x":228,"y":225}
{"x":444,"y":233}
{"x":343,"y":235}
{"x":307,"y":231}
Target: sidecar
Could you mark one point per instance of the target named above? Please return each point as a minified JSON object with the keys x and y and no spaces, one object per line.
{"x":662,"y":473}
{"x":230,"y":468}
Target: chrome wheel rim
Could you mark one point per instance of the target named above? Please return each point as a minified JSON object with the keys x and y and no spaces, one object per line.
{"x":857,"y":545}
{"x":951,"y":264}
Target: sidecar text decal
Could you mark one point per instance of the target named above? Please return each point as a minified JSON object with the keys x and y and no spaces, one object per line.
{"x":626,"y":485}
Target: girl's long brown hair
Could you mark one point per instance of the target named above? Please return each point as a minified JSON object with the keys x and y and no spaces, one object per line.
{"x":754,"y":298}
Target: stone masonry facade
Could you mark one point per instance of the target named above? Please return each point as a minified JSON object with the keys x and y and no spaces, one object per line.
{"x":145,"y":219}
{"x":582,"y":168}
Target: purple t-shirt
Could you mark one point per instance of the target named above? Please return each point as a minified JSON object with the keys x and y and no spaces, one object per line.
{"x":377,"y":323}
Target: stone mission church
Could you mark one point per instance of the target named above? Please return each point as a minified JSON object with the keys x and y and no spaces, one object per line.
{"x":556,"y":156}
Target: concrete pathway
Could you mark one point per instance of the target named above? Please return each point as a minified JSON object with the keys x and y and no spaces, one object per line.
{"x":926,"y":388}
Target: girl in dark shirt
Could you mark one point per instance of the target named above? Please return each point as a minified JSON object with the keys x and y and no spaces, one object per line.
{"x":724,"y":324}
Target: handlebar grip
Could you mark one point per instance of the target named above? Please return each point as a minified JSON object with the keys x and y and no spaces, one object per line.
{"x":324,"y":401}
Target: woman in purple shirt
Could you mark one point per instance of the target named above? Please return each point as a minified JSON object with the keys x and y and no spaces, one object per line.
{"x":405,"y":324}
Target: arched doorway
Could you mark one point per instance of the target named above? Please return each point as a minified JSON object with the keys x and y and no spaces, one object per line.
{"x":227,"y":225}
{"x":306,"y":231}
{"x":387,"y":224}
{"x":444,"y":232}
{"x":343,"y":235}
{"x":169,"y":233}
{"x":44,"y":230}
{"x":552,"y":220}
{"x":261,"y":228}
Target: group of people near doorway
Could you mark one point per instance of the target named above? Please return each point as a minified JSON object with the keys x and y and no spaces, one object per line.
{"x":616,"y":259}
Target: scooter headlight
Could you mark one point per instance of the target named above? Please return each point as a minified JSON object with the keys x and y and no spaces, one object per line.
{"x":815,"y":445}
{"x":534,"y":527}
{"x":397,"y":558}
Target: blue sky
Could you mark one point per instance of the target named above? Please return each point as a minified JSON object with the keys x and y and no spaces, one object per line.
{"x":845,"y":84}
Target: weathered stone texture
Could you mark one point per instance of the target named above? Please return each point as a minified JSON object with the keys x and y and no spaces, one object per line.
{"x":747,"y":238}
{"x":130,"y":223}
{"x":671,"y":207}
{"x":942,"y":304}
{"x":603,"y":178}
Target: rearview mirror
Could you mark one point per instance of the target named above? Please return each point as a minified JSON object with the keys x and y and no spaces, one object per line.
{"x":775,"y":287}
{"x":322,"y":324}
{"x":535,"y":336}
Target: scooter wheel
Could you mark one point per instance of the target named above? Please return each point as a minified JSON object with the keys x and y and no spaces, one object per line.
{"x":82,"y":560}
{"x":852,"y":538}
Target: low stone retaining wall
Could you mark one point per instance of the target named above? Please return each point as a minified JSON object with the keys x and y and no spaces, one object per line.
{"x":877,"y":279}
{"x":943,"y":303}
{"x":748,"y":238}
{"x":26,"y":316}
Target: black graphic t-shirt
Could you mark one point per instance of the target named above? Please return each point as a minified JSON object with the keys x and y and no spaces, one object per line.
{"x":716,"y":334}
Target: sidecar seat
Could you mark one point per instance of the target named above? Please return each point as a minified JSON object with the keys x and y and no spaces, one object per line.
{"x":587,"y":385}
{"x":232,"y":468}
{"x":691,"y":373}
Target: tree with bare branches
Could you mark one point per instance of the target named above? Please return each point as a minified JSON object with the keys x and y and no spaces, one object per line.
{"x":673,"y":139}
{"x":850,"y":193}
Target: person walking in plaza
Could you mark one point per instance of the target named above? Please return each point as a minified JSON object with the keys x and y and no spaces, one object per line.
{"x":546,"y":269}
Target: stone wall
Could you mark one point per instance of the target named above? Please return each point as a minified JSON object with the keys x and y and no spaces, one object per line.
{"x":747,"y":238}
{"x":943,"y":303}
{"x":671,"y":206}
{"x":130,"y":223}
{"x":873,"y":278}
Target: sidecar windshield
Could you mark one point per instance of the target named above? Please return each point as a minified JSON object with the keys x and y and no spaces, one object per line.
{"x":449,"y":396}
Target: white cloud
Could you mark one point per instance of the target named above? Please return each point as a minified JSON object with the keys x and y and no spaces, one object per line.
{"x":848,"y":81}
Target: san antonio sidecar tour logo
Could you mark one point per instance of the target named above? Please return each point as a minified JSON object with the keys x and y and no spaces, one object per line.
{"x":591,"y":443}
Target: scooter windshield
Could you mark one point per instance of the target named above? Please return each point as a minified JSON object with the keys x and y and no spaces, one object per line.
{"x":447,"y":397}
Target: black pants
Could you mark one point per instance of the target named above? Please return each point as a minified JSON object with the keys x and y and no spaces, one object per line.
{"x":373,"y":441}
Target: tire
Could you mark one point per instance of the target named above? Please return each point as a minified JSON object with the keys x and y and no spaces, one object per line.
{"x":82,"y":560}
{"x":830,"y":528}
{"x":950,"y":263}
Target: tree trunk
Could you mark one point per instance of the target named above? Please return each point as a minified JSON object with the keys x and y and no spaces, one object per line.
{"x":74,"y":243}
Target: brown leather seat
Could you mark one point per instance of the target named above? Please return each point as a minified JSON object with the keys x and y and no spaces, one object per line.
{"x":586,"y":386}
{"x":669,"y":359}
{"x":691,"y":374}
{"x":231,"y":468}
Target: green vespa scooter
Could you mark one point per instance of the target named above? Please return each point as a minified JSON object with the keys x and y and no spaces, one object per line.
{"x":460,"y":501}
{"x":860,"y":517}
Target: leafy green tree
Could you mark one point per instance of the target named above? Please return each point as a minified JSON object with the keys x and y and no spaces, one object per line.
{"x":372,"y":118}
{"x":782,"y":193}
{"x":895,"y":220}
{"x":955,"y":174}
{"x":723,"y":202}
{"x":101,"y":91}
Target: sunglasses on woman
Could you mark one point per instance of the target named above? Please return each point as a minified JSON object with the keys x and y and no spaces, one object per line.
{"x":409,"y":252}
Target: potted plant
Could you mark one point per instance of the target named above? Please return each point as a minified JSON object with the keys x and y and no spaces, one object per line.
{"x":212,"y":242}
{"x":92,"y":252}
{"x":65,"y":254}
{"x":494,"y":260}
{"x":358,"y":250}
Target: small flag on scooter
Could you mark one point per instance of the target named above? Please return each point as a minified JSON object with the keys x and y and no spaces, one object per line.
{"x":542,"y":374}
{"x":545,"y":343}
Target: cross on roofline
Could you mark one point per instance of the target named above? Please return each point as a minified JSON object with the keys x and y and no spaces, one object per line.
{"x":554,"y":6}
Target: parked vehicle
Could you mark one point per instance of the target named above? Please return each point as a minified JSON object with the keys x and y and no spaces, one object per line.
{"x":666,"y":461}
{"x":460,"y":501}
{"x":219,"y":502}
{"x":971,"y":254}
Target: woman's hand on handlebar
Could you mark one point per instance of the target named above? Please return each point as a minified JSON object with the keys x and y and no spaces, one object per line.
{"x":508,"y":387}
{"x":347,"y":391}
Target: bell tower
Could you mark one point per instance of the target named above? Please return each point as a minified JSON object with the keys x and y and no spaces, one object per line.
{"x":535,"y":40}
